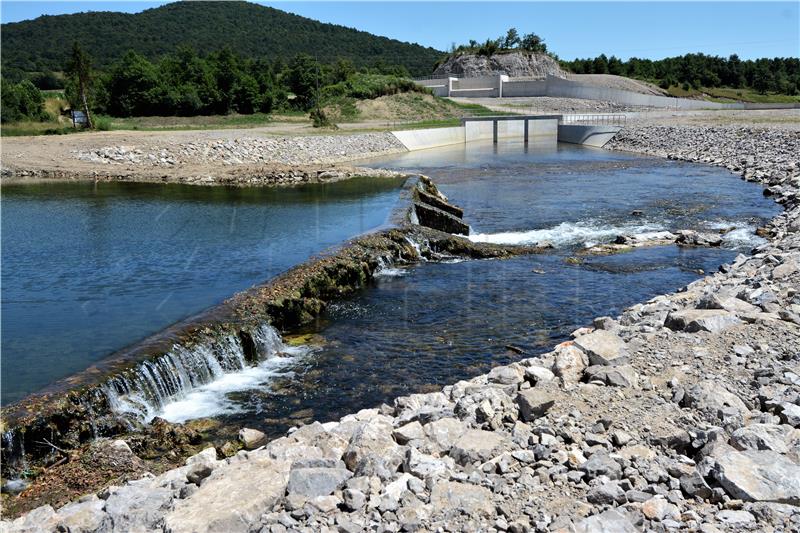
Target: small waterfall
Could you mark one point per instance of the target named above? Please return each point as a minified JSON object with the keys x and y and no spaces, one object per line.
{"x":144,"y":391}
{"x":14,"y":451}
{"x":414,"y":244}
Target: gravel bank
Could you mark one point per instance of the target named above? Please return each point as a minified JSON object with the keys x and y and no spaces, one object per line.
{"x":681,"y":414}
{"x":224,"y":157}
{"x":322,"y":149}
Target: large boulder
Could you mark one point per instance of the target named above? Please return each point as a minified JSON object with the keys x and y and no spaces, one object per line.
{"x":476,"y":445}
{"x":84,"y":516}
{"x":616,"y":376}
{"x":603,"y":348}
{"x":444,"y":432}
{"x":714,"y":401}
{"x":758,"y":475}
{"x":570,"y":362}
{"x":601,"y":464}
{"x":778,"y":438}
{"x":694,"y":320}
{"x":372,"y":450}
{"x":535,"y":402}
{"x":138,"y":506}
{"x":233,"y":497}
{"x":313,"y":482}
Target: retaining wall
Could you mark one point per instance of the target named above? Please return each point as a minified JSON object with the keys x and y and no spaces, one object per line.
{"x":494,"y":86}
{"x":478,"y":130}
{"x":431,"y":138}
{"x":596,"y":136}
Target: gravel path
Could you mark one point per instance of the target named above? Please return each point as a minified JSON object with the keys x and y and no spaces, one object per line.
{"x":680,"y":414}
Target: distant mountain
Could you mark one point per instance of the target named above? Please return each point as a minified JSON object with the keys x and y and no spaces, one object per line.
{"x":251,"y":30}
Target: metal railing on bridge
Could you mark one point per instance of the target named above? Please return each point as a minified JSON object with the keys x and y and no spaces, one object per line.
{"x":595,"y":119}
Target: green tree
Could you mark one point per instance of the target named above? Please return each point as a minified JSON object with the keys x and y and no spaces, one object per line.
{"x":79,"y":69}
{"x":763,"y":79}
{"x":600,"y":65}
{"x":21,"y":101}
{"x":303,"y":79}
{"x":533,"y":43}
{"x":134,"y":88}
{"x":512,"y":39}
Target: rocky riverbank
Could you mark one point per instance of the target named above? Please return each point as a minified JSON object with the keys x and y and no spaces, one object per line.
{"x":680,"y":414}
{"x":215,"y":158}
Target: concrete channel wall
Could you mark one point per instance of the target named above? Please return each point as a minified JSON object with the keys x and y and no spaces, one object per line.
{"x":483,"y":130}
{"x":503,"y":86}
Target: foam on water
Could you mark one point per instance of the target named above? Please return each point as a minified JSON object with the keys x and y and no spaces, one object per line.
{"x":193,"y":382}
{"x":212,"y":399}
{"x":743,"y":238}
{"x":585,"y":232}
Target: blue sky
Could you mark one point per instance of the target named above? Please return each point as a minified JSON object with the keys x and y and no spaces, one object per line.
{"x":571,"y":29}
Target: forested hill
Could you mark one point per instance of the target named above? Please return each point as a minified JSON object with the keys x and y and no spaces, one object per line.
{"x":249,"y":29}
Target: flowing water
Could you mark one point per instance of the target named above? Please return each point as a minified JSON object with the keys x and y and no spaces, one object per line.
{"x":418,"y":328}
{"x":89,"y":269}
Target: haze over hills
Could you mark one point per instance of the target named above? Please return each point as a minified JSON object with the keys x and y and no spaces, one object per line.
{"x":249,"y":29}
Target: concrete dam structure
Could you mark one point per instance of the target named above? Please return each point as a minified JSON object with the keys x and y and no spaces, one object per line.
{"x":588,"y":130}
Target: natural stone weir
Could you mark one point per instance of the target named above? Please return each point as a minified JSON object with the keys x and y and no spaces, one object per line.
{"x":641,"y":423}
{"x":127,"y":389}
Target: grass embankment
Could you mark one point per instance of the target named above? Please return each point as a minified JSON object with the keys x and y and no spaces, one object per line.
{"x":728,"y":95}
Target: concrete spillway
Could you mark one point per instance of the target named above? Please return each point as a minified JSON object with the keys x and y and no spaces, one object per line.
{"x":522,"y":127}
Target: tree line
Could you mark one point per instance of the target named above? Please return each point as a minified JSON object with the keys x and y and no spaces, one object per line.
{"x":185,"y":83}
{"x":779,"y":75}
{"x":44,"y":44}
{"x":512,"y":40}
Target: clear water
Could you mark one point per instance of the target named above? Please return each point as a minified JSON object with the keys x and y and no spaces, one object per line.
{"x":416,"y":329}
{"x":442,"y":322}
{"x":91,"y":268}
{"x":573,"y":195}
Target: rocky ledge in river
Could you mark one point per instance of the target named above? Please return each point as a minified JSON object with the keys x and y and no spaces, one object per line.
{"x":680,"y":414}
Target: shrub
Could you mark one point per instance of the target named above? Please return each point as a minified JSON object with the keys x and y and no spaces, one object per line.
{"x":22,"y":101}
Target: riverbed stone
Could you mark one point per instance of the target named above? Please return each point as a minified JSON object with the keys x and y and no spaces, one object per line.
{"x":372,"y":450}
{"x":777,"y":438}
{"x":610,"y":521}
{"x":445,"y":432}
{"x":694,"y":320}
{"x":658,"y":509}
{"x":570,"y":362}
{"x":84,"y":516}
{"x":601,"y":464}
{"x":451,"y":497}
{"x":251,"y":438}
{"x":138,"y":506}
{"x":476,"y":445}
{"x":734,"y":518}
{"x":424,"y":466}
{"x":535,"y":402}
{"x":411,"y":431}
{"x":313,"y":482}
{"x":615,"y":376}
{"x":759,"y":475}
{"x":714,"y":400}
{"x":603,"y":348}
{"x":233,"y":498}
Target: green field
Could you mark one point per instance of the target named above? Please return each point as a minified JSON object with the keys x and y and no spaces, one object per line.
{"x":727,"y":95}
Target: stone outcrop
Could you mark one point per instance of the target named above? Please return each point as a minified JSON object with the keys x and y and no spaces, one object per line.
{"x":515,"y":64}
